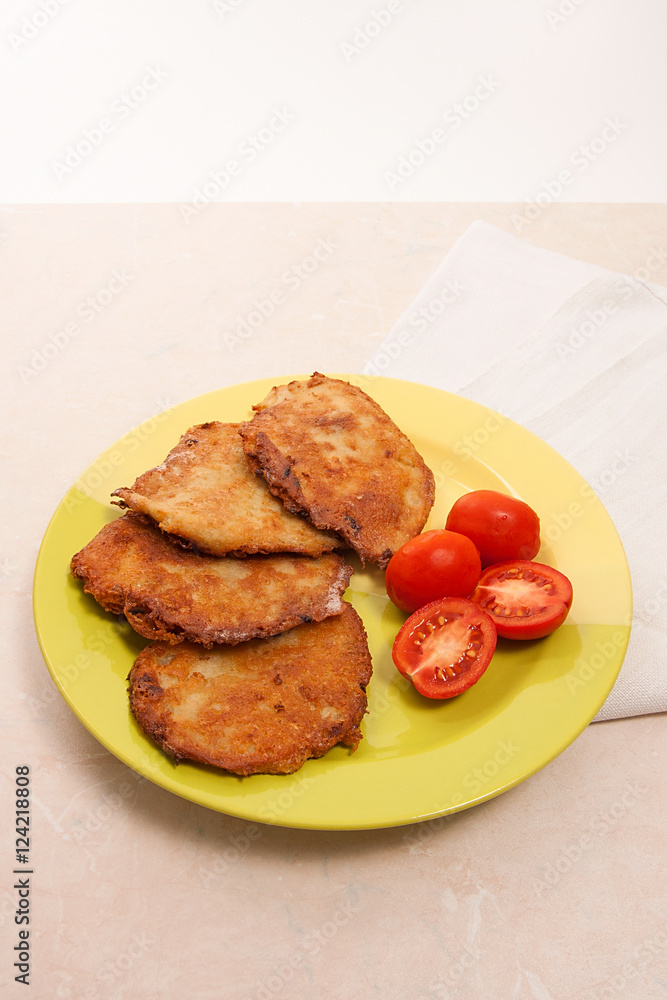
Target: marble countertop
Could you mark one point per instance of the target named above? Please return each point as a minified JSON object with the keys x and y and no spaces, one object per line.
{"x":554,"y":890}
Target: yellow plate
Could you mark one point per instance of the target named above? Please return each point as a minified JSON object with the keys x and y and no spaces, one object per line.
{"x":419,"y":759}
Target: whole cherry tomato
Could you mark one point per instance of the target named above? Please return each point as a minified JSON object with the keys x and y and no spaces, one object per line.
{"x":437,"y":563}
{"x":500,"y":526}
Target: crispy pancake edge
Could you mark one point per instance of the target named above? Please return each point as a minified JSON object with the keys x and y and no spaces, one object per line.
{"x":313,"y":541}
{"x":268,"y":460}
{"x":145,"y":694}
{"x":152,"y":620}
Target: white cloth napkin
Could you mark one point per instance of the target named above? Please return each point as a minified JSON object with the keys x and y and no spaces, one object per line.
{"x":577,"y":354}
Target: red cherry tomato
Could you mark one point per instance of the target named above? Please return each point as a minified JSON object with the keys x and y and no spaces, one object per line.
{"x":434,"y":564}
{"x":445,"y":647}
{"x":501,"y":526}
{"x":526,"y":600}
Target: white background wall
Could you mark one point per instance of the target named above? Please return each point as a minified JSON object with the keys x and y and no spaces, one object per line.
{"x":358,"y":96}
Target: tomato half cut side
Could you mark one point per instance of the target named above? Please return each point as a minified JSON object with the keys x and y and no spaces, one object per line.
{"x":445,"y":647}
{"x":526,"y":600}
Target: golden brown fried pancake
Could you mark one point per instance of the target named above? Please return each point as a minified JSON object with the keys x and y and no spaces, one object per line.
{"x":170,"y":593}
{"x":205,"y":492}
{"x":263,"y":707}
{"x":328,"y":450}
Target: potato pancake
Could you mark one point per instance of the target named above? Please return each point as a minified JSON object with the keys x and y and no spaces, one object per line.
{"x":263,"y":707}
{"x":170,"y":593}
{"x":330,"y":452}
{"x":206,"y":493}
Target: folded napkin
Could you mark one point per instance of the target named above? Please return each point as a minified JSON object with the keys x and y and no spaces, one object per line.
{"x":577,"y":354}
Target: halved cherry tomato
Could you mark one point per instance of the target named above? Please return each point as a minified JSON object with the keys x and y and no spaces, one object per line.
{"x":501,"y":526}
{"x":445,"y":647}
{"x":437,"y":563}
{"x":526,"y":600}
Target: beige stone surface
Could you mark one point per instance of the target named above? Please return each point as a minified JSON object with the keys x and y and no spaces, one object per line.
{"x":553,"y":891}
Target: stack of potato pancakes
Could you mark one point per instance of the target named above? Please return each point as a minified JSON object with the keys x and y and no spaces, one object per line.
{"x":228,"y":559}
